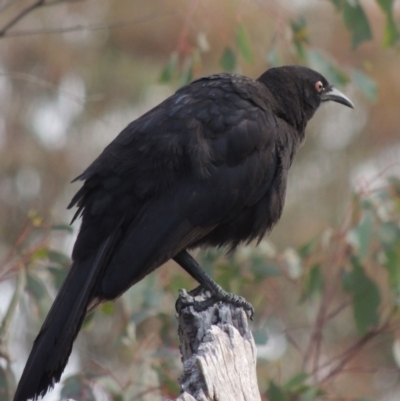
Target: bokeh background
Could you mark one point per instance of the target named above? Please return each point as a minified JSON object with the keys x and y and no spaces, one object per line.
{"x":74,"y":73}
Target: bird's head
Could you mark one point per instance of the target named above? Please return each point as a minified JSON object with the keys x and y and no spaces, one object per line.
{"x":299,"y":91}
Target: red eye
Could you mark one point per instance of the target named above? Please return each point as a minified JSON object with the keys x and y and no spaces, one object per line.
{"x":319,"y":86}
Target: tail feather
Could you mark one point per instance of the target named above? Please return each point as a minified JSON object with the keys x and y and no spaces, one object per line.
{"x":53,"y":345}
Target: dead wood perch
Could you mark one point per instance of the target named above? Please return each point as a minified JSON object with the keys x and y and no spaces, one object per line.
{"x":218,"y":350}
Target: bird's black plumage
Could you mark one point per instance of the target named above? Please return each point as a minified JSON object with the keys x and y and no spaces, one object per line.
{"x":206,"y":167}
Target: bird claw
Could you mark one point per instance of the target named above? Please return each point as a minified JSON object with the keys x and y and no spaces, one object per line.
{"x":237,"y":300}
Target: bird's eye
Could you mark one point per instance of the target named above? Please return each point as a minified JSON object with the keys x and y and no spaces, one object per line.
{"x":319,"y":86}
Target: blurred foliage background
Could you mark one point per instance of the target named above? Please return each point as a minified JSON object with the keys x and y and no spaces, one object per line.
{"x":325,"y":283}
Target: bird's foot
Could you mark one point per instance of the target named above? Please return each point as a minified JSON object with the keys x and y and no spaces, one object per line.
{"x":233,"y":299}
{"x":218,"y":293}
{"x":200,"y":301}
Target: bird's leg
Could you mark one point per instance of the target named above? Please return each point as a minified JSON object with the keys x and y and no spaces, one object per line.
{"x":199,"y":274}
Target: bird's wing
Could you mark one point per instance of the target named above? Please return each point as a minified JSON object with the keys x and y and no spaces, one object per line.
{"x":215,"y":121}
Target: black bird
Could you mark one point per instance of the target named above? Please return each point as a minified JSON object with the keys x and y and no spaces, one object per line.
{"x":206,"y":167}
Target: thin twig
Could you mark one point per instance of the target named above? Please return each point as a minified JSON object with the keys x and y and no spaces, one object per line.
{"x":336,"y":311}
{"x":19,"y":16}
{"x":25,"y":230}
{"x":32,"y":79}
{"x":92,"y":27}
{"x":350,"y":353}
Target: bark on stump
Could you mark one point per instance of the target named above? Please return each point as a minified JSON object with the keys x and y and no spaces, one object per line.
{"x":218,"y":350}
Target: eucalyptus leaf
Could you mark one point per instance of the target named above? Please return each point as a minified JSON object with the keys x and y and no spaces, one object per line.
{"x":58,"y":274}
{"x":356,"y":22}
{"x":366,"y":85}
{"x":75,"y":387}
{"x":58,"y":257}
{"x":275,"y":393}
{"x":228,"y":60}
{"x":313,"y":284}
{"x":170,"y":69}
{"x":300,"y":37}
{"x":360,"y":236}
{"x":366,"y":298}
{"x":35,"y":287}
{"x":243,"y":43}
{"x":296,"y":381}
{"x":187,"y":75}
{"x":319,"y":62}
{"x":311,"y":394}
{"x":393,"y":267}
{"x":391,"y":30}
{"x":63,"y":227}
{"x":260,"y":336}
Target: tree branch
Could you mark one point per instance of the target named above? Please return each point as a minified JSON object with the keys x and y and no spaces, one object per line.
{"x":21,"y":15}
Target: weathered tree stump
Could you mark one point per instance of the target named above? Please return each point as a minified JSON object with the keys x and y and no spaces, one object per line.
{"x":218,"y":350}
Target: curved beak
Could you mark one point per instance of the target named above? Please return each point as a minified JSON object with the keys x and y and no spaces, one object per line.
{"x":336,"y":96}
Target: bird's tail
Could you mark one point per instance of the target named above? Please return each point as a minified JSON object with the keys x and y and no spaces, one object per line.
{"x":52,"y":347}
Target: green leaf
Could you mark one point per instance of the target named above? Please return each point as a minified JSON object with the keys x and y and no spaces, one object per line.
{"x":361,"y":235}
{"x":348,"y":281}
{"x":310,"y":394}
{"x":338,"y":4}
{"x":58,"y":274}
{"x":366,"y":298}
{"x":307,"y":249}
{"x":386,"y":6}
{"x":262,"y":269}
{"x":391,"y":31}
{"x":296,"y":381}
{"x":186,"y":76}
{"x":63,"y":227}
{"x":275,"y":393}
{"x":314,"y":283}
{"x":88,"y":321}
{"x":388,"y":234}
{"x":366,"y":85}
{"x":243,"y":42}
{"x":39,"y":254}
{"x":228,"y":60}
{"x":170,"y":69}
{"x":75,"y":388}
{"x":300,"y":36}
{"x":58,"y":257}
{"x":319,"y":62}
{"x":260,"y":336}
{"x":108,"y":308}
{"x":393,"y":267}
{"x":35,"y":287}
{"x":356,"y":22}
